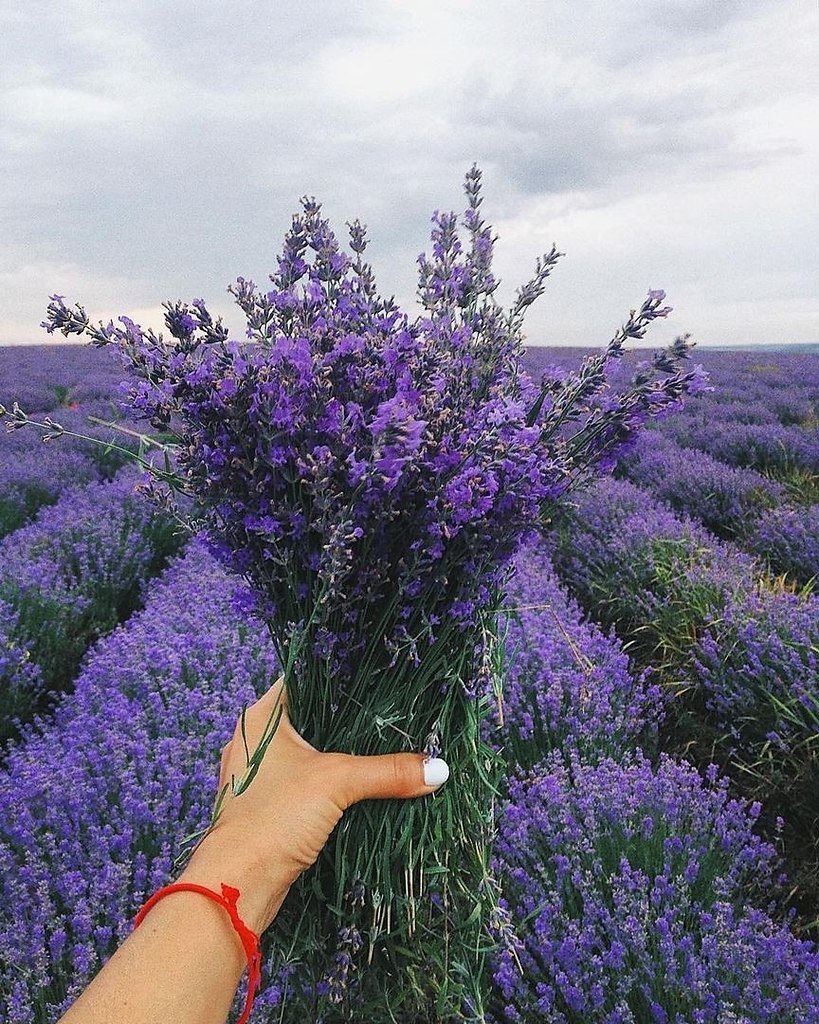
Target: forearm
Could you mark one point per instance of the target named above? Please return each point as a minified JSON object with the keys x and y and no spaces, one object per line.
{"x":182,"y":964}
{"x":185,"y":960}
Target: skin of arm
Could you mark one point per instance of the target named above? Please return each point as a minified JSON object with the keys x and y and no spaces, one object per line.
{"x":184,"y":962}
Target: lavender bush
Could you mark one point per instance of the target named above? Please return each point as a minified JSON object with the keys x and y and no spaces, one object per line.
{"x":20,"y":676}
{"x":633,"y":885}
{"x":36,"y":477}
{"x":33,"y":473}
{"x":758,"y":664}
{"x":738,"y":651}
{"x":751,"y":388}
{"x":651,"y":574}
{"x":566,"y":684}
{"x":764,"y":447}
{"x":371,"y":477}
{"x":71,"y":575}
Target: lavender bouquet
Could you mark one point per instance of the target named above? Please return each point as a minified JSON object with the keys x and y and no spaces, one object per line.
{"x":370,"y":477}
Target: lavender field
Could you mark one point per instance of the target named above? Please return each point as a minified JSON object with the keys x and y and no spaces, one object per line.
{"x":658,"y":831}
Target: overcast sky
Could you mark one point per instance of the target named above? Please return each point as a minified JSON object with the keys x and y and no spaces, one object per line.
{"x":156,"y":150}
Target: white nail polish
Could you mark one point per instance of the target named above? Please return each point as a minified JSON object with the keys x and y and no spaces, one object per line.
{"x":436,"y":772}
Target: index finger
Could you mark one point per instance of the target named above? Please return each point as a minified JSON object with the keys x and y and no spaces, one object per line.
{"x":271,"y":699}
{"x":254,"y":720}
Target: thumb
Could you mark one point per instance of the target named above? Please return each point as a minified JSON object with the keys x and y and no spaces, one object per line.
{"x":385,"y":776}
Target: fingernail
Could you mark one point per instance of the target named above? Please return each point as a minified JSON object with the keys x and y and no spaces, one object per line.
{"x":436,"y":772}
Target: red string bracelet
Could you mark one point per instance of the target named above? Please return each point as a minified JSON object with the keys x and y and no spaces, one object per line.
{"x":249,"y":939}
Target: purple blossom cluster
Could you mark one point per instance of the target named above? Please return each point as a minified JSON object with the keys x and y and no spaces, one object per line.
{"x":724,"y":499}
{"x":566,"y":684}
{"x":71,"y":575}
{"x":345,"y":428}
{"x":371,"y":477}
{"x":643,"y":896}
{"x":96,"y":803}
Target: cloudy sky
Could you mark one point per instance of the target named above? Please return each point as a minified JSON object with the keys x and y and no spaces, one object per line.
{"x":153,"y":150}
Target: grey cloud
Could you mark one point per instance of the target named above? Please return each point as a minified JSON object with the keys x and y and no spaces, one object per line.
{"x":171,"y":142}
{"x":590,"y":142}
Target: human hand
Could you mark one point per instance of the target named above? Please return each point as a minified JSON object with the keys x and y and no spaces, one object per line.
{"x":267,"y":835}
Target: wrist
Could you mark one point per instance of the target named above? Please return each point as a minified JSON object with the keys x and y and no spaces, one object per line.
{"x":219,"y":859}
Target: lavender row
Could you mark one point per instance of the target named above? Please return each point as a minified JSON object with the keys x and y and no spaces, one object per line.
{"x":761,"y":416}
{"x":67,"y":578}
{"x":721,"y":497}
{"x":624,"y":556}
{"x":34,"y":473}
{"x":630,"y":890}
{"x":644,"y":896}
{"x":566,"y":684}
{"x":719,"y":633}
{"x":96,"y":802}
{"x":734,"y":504}
{"x":786,"y":539}
{"x":771,"y":448}
{"x":748,"y":387}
